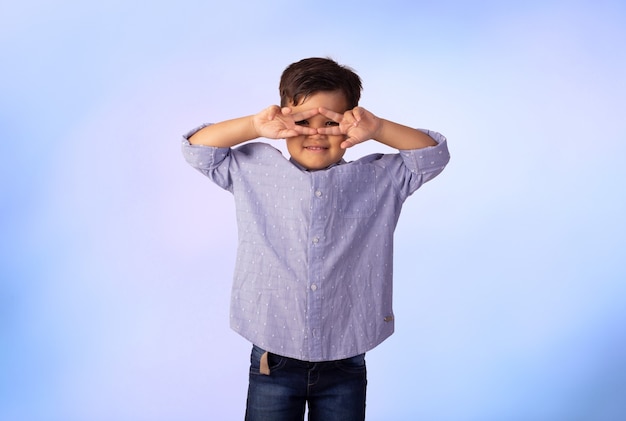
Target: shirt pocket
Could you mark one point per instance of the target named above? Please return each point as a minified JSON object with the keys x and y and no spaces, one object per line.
{"x":356,"y":193}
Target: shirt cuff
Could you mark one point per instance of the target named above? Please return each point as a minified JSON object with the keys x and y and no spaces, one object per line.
{"x":429,"y":159}
{"x":202,"y":157}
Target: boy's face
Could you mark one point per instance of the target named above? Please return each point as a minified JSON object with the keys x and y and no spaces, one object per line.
{"x":316,"y":152}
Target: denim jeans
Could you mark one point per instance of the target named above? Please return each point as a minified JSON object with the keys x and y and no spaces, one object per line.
{"x":334,"y":390}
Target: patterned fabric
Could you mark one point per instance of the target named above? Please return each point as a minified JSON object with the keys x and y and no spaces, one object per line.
{"x":313,"y":276}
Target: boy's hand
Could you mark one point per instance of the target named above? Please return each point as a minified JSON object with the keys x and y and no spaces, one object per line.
{"x":279,"y":123}
{"x":357,"y":124}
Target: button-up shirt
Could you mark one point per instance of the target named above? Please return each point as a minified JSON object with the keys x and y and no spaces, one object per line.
{"x":313,"y":273}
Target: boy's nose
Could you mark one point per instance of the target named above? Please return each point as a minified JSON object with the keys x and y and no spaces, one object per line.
{"x":317,"y":135}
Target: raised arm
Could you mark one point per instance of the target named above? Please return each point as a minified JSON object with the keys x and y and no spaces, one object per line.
{"x":272,"y":123}
{"x":360,"y":125}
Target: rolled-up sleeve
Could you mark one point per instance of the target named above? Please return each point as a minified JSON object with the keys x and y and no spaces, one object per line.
{"x":208,"y":160}
{"x":430,"y":161}
{"x":415,"y":167}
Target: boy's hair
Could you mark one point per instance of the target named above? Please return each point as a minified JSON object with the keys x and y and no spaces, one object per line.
{"x":311,"y":75}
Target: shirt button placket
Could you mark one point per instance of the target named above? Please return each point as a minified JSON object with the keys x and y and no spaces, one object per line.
{"x":318,"y":209}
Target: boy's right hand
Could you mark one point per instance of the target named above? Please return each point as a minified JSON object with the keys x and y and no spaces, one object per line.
{"x":279,"y":123}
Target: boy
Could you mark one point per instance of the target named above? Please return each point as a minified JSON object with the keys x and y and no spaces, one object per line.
{"x":313,"y":276}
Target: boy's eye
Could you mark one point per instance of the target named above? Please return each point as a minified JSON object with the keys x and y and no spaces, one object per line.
{"x":331,"y":123}
{"x":302,"y":123}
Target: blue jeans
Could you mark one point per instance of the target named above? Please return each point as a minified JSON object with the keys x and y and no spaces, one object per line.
{"x":334,"y":390}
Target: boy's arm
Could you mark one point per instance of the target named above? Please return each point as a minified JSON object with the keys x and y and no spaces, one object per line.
{"x":402,"y":137}
{"x":359,"y":125}
{"x":226,"y":133}
{"x":273,"y":123}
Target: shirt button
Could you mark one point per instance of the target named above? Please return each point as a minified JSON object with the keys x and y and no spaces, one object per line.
{"x":316,"y":240}
{"x":313,"y":287}
{"x":318,"y":193}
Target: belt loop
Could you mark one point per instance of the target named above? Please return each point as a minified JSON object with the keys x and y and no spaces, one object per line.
{"x":264,"y":367}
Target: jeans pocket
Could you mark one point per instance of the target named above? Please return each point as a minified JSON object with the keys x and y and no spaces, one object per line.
{"x":275,"y":362}
{"x":353,"y":365}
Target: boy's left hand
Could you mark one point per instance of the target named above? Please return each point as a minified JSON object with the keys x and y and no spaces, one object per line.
{"x":357,"y":124}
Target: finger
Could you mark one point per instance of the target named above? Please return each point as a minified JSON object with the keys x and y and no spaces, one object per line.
{"x":330,"y":130}
{"x":337,"y":117}
{"x":296,"y":131}
{"x":357,"y":112}
{"x":304,"y":130}
{"x":348,"y":143}
{"x":272,"y":111}
{"x":303,"y":115}
{"x":287,"y":133}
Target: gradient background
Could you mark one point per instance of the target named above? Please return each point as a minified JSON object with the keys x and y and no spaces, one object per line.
{"x":116,"y":257}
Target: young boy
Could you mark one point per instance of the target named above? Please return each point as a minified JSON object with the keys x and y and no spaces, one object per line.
{"x":312,"y":287}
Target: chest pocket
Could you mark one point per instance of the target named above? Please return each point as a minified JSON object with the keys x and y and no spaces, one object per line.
{"x":356,"y":192}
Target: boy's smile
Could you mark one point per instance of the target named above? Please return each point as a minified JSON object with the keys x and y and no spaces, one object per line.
{"x":318,"y":151}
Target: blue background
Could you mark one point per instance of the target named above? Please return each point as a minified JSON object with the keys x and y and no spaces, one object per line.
{"x":116,"y":257}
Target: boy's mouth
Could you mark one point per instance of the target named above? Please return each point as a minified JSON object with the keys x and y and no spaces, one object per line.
{"x":315,"y":148}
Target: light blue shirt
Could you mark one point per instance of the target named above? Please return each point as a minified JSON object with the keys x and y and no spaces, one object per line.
{"x":314,"y":268}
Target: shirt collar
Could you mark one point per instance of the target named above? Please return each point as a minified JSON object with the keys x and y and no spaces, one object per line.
{"x":342,"y":161}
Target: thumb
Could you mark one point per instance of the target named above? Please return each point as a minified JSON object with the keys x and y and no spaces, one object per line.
{"x":271,"y":112}
{"x":348,"y":143}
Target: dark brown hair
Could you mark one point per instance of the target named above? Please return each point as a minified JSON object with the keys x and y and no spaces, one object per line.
{"x":311,"y":75}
